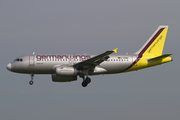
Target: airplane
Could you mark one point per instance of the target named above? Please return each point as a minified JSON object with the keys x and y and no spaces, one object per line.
{"x":66,"y":68}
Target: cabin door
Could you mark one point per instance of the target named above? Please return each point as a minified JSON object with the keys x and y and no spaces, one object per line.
{"x":31,"y":60}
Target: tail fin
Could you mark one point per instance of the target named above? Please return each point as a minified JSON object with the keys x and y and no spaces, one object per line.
{"x":155,"y":44}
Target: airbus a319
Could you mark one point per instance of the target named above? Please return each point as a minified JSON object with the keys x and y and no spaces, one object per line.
{"x":66,"y":68}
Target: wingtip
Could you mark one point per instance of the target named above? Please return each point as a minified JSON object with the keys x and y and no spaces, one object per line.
{"x":115,"y":50}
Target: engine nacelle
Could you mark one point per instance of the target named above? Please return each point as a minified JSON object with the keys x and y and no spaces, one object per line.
{"x":66,"y":71}
{"x":56,"y":78}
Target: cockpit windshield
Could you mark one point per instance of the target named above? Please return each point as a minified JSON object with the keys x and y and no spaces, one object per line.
{"x":18,"y":60}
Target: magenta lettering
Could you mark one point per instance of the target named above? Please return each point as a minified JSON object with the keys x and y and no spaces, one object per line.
{"x":83,"y":57}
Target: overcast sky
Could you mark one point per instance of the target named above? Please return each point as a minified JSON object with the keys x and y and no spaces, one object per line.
{"x":93,"y":26}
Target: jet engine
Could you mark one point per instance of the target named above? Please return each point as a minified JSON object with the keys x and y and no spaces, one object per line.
{"x":66,"y":71}
{"x":64,"y":74}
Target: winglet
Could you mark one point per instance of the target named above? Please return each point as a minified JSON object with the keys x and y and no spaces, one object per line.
{"x":115,"y":50}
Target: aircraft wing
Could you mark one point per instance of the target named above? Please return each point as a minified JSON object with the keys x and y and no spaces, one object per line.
{"x":94,"y":61}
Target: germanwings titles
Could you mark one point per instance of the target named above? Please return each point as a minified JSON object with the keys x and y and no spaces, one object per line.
{"x":66,"y":68}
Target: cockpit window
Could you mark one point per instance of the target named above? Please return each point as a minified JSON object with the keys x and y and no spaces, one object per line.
{"x":18,"y":59}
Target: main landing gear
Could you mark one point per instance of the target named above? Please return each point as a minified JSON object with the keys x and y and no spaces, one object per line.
{"x":84,"y":76}
{"x":32,"y":76}
{"x":86,"y":81}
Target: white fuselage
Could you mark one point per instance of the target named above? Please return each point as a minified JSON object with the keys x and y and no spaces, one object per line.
{"x":46,"y":64}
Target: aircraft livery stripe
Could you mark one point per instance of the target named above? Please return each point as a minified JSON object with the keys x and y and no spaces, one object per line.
{"x":145,"y":48}
{"x":151,"y":41}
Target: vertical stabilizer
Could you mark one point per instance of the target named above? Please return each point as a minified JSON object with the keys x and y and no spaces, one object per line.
{"x":155,"y":44}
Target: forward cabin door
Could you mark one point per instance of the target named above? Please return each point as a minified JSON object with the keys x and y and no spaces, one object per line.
{"x":31,"y":60}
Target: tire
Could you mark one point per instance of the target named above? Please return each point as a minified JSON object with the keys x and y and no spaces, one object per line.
{"x":84,"y":83}
{"x":31,"y":82}
{"x":88,"y":80}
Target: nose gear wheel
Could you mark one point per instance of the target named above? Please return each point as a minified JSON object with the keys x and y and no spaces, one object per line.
{"x":31,"y":82}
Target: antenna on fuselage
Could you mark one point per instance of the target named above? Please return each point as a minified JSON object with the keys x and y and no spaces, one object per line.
{"x":33,"y":53}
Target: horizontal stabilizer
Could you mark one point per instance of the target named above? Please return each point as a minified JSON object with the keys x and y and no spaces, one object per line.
{"x":158,"y":58}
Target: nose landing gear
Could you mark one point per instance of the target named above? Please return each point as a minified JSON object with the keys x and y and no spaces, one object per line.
{"x":32,"y":76}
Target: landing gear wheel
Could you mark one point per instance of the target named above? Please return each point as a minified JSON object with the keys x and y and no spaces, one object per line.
{"x":31,"y":82}
{"x":84,"y":83}
{"x":88,"y":80}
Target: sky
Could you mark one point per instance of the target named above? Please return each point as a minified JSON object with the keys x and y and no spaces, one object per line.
{"x":93,"y":27}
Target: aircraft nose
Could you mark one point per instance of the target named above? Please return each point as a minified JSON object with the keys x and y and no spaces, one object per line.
{"x":9,"y":66}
